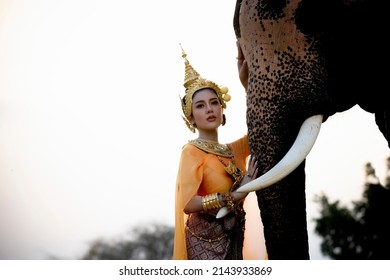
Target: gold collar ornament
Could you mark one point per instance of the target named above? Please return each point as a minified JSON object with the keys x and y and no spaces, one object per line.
{"x":221,"y":150}
{"x":212,"y":147}
{"x":236,"y":173}
{"x":193,"y":82}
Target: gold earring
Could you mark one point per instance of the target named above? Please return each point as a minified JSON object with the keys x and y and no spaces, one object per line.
{"x":189,"y":125}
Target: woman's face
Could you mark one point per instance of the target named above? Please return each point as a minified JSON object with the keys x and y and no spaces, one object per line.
{"x":206,"y":110}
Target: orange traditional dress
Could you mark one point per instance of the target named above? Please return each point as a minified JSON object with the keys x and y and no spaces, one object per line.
{"x":202,"y":171}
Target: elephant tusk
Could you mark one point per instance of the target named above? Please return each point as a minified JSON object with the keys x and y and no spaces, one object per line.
{"x":295,"y":156}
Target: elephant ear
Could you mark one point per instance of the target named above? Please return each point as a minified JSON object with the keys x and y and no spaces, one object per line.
{"x":382,"y":119}
{"x":312,"y":17}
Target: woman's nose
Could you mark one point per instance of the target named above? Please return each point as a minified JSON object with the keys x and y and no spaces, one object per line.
{"x":209,"y":108}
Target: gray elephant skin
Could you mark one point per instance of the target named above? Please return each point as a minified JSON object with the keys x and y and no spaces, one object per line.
{"x":306,"y":57}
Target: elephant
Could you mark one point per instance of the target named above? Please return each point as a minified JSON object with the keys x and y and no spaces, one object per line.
{"x":307,"y":60}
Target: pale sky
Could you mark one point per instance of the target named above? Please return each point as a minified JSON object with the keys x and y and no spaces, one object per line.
{"x":90,"y":119}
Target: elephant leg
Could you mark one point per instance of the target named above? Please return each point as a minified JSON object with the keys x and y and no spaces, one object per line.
{"x":283,"y":213}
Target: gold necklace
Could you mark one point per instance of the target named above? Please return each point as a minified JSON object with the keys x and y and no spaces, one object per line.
{"x":221,"y":150}
{"x":212,"y":147}
{"x":233,"y":171}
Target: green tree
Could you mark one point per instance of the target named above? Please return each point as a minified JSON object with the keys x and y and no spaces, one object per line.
{"x":361,"y":232}
{"x":143,"y":243}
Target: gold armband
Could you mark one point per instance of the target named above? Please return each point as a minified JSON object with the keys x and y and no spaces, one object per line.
{"x":210,"y":202}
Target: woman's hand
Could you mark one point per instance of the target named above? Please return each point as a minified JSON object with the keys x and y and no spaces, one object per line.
{"x":249,"y":176}
{"x":242,"y":66}
{"x":252,"y":171}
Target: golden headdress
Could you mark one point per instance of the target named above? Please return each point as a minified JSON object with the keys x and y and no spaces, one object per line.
{"x":193,"y":82}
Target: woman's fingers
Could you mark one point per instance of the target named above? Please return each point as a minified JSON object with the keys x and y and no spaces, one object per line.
{"x":252,"y":168}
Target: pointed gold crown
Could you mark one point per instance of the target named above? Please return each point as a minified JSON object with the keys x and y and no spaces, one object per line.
{"x":193,"y":82}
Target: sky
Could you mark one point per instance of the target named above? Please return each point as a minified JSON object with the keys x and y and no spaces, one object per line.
{"x":90,"y":120}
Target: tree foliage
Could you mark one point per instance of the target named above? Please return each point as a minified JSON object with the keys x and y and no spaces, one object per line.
{"x":361,"y":232}
{"x":143,"y":243}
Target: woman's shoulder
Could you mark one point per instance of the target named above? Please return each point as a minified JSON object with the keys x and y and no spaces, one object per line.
{"x":192,"y":155}
{"x":190,"y":149}
{"x":240,"y":141}
{"x":241,"y":145}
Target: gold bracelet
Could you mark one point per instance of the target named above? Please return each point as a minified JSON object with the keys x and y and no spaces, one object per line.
{"x":216,"y":203}
{"x":204,"y":201}
{"x":228,"y":200}
{"x":210,"y":202}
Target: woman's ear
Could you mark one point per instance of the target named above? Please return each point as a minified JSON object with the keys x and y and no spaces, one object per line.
{"x":192,"y":121}
{"x":223,"y":119}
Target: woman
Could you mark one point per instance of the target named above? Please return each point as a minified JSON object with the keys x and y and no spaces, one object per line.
{"x":208,"y":174}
